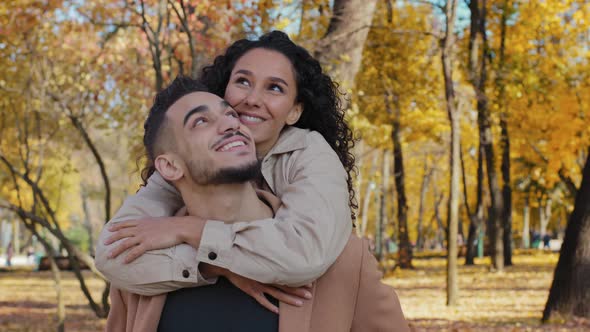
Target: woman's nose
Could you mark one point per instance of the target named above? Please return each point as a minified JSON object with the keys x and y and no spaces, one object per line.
{"x":253,"y":98}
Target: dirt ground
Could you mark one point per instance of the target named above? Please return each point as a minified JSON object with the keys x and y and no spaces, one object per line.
{"x":508,"y":301}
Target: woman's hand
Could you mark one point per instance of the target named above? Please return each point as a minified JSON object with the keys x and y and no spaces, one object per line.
{"x":290,"y":295}
{"x":153,"y":233}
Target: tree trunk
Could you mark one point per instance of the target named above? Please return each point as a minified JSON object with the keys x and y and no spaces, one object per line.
{"x":455,"y":166}
{"x":570,"y":291}
{"x":359,"y":179}
{"x":478,"y":77}
{"x":405,"y":247}
{"x":545,"y":216}
{"x":16,"y":236}
{"x":87,"y":220}
{"x":367,"y":198}
{"x":440,"y":228}
{"x":505,"y":143}
{"x":423,"y":193}
{"x":382,"y":219}
{"x":476,"y":220}
{"x":50,"y":252}
{"x":526,"y":222}
{"x":340,"y":50}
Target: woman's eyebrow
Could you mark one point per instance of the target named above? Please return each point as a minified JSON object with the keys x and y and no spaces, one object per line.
{"x":244,"y":71}
{"x":278,"y":80}
{"x":272,"y":78}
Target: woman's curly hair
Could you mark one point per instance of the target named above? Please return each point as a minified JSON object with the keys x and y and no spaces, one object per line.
{"x":316,"y":91}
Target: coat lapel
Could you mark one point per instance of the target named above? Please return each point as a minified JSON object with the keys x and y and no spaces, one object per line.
{"x":296,"y":319}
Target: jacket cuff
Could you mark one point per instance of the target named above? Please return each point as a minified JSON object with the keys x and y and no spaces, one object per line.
{"x":186,"y":267}
{"x":216,"y":242}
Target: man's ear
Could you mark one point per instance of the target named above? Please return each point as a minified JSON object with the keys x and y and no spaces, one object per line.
{"x":169,"y":166}
{"x":294,"y":114}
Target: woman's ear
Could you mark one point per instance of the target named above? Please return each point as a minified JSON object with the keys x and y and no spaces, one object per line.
{"x":169,"y":166}
{"x":294,"y":114}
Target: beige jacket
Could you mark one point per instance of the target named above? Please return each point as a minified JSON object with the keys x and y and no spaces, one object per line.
{"x":296,"y":247}
{"x":348,"y":297}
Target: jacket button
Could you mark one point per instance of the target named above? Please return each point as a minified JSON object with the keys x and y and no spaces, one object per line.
{"x":212,"y":256}
{"x":185,"y":273}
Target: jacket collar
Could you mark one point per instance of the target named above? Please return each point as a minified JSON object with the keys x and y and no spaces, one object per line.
{"x":291,"y":139}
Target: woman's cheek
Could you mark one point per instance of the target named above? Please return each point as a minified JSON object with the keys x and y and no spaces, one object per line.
{"x":233,"y":96}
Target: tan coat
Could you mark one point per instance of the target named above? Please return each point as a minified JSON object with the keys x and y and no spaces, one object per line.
{"x":348,"y":297}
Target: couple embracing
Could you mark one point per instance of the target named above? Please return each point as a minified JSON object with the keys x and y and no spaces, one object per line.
{"x":244,"y":221}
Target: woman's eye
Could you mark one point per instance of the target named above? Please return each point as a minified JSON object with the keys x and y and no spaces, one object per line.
{"x":276,"y":88}
{"x":242,"y":81}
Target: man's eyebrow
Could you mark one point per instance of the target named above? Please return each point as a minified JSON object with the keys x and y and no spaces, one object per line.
{"x":200,"y":108}
{"x":224,"y":104}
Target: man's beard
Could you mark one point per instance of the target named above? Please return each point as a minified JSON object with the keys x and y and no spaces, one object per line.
{"x":228,"y":175}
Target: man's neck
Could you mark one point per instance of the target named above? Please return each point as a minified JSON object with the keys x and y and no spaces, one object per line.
{"x":228,"y":202}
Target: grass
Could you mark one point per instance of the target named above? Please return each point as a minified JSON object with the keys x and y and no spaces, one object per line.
{"x":509,"y":301}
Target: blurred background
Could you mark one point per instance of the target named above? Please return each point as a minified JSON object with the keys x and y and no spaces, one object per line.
{"x":472,"y":153}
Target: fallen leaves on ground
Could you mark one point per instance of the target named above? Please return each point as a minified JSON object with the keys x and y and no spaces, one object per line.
{"x":512,"y":300}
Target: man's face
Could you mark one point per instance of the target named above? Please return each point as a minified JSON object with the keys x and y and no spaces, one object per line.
{"x":212,"y":145}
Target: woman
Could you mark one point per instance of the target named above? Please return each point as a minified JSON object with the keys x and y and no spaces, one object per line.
{"x":294,"y":114}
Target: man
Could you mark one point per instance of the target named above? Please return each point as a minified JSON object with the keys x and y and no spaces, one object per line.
{"x":199,"y":146}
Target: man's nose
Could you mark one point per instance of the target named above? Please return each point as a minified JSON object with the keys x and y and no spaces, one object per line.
{"x":228,"y":124}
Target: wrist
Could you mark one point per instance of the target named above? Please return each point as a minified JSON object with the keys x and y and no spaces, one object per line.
{"x":190,"y":230}
{"x":211,"y":271}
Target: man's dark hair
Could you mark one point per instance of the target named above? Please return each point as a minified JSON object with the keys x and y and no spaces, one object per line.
{"x":156,"y":136}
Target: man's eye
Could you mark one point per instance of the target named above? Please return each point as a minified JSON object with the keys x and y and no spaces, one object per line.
{"x":233,"y":114}
{"x":199,"y":122}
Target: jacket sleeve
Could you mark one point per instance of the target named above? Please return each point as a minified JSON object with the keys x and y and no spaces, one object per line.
{"x":308,"y":232}
{"x":156,"y":271}
{"x":377,"y":306}
{"x":294,"y":248}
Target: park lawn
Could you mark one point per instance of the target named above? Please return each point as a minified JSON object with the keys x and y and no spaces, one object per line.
{"x":508,"y":301}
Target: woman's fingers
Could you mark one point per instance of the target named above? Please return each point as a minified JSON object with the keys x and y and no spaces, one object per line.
{"x":181,"y":212}
{"x":118,"y":235}
{"x":283,"y":296}
{"x":260,"y":298}
{"x":123,"y":224}
{"x":134,"y":253}
{"x":303,"y":292}
{"x":126,"y":244}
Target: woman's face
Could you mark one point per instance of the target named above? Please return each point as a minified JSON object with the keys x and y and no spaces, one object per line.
{"x":262,"y":89}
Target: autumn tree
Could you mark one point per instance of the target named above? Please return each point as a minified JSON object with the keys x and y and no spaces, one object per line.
{"x":570,"y":290}
{"x":478,"y":73}
{"x":454,"y":114}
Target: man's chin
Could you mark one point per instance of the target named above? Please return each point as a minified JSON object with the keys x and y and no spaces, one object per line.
{"x":237,"y":174}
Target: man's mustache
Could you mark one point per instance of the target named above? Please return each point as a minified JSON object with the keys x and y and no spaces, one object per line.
{"x":230,"y":135}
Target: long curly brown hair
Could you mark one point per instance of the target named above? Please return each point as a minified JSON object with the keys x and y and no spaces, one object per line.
{"x":316,"y":91}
